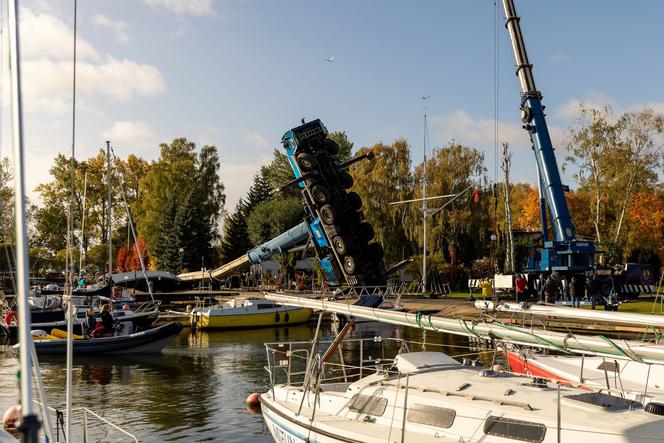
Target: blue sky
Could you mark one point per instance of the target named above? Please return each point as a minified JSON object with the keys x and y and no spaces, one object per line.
{"x":238,"y":73}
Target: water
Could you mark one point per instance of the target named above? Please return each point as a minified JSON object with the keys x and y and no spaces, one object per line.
{"x":194,"y":391}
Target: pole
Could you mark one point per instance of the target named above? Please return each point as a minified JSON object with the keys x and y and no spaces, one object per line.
{"x":425,"y":203}
{"x":110,"y":210}
{"x":29,"y":424}
{"x":81,"y":258}
{"x":70,"y":256}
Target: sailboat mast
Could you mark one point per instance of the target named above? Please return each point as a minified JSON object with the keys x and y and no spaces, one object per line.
{"x":29,"y":423}
{"x":110,"y":210}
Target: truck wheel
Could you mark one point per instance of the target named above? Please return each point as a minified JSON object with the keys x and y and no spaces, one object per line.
{"x":320,"y":194}
{"x":306,"y":162}
{"x":331,"y":146}
{"x":327,"y":214}
{"x":339,"y":245}
{"x":349,"y":264}
{"x":345,"y":180}
{"x":366,"y":231}
{"x":354,"y":200}
{"x":375,"y":252}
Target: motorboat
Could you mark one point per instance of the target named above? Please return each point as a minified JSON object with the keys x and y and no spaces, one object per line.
{"x":431,"y":397}
{"x":141,"y":316}
{"x":247,"y":313}
{"x":625,"y":377}
{"x":150,"y":341}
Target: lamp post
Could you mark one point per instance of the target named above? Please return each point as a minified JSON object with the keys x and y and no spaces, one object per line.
{"x":181,"y":251}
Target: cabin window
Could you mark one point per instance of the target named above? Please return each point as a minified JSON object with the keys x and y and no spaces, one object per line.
{"x":368,"y":404}
{"x":265,"y":306}
{"x":514,"y":429}
{"x":431,"y":415}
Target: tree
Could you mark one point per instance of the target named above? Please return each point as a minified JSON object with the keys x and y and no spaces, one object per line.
{"x":235,"y":240}
{"x":6,"y":201}
{"x":180,"y":176}
{"x":167,"y":250}
{"x":345,"y":145}
{"x":459,"y":232}
{"x":616,"y":158}
{"x":386,"y":178}
{"x":273,"y":217}
{"x":260,"y":190}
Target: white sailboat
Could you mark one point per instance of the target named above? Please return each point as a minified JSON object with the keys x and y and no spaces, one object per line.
{"x":430,"y":397}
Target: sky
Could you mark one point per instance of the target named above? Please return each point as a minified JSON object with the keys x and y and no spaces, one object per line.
{"x":239,"y":73}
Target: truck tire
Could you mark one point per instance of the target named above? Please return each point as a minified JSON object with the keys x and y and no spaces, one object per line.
{"x":375,"y":252}
{"x":345,"y":179}
{"x":320,"y":194}
{"x":327,"y":214}
{"x":349,"y":264}
{"x":366,"y":231}
{"x":339,"y":245}
{"x":355,"y":201}
{"x":307,"y":162}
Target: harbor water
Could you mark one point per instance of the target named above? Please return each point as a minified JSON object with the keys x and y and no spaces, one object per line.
{"x":196,"y":389}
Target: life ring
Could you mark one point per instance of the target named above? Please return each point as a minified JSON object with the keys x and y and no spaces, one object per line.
{"x":11,"y":315}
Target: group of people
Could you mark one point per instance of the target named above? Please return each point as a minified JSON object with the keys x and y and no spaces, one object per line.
{"x":103,"y":328}
{"x":551,"y":288}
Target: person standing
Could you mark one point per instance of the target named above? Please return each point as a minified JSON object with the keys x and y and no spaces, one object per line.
{"x":550,"y":290}
{"x":521,"y":287}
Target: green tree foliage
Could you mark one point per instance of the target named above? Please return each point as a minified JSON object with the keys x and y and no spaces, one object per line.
{"x":345,"y":145}
{"x":274,"y":217}
{"x":387,"y":178}
{"x":178,"y":173}
{"x":235,"y":241}
{"x":6,"y":201}
{"x":167,"y":249}
{"x":459,"y":232}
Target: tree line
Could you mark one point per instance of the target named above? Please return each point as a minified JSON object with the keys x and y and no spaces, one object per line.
{"x":177,"y":203}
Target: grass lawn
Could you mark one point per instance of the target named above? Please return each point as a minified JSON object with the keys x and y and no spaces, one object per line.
{"x":640,"y":307}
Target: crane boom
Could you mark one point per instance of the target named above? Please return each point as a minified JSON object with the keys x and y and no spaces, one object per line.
{"x":564,"y":253}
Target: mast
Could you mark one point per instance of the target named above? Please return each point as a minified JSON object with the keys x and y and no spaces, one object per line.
{"x":425,"y":202}
{"x":110,"y":210}
{"x":29,"y":423}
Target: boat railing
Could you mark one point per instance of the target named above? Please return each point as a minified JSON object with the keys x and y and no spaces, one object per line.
{"x":291,"y":362}
{"x":89,"y":425}
{"x":147,"y":306}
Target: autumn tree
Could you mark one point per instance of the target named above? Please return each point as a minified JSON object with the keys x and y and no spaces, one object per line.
{"x":615,"y":158}
{"x":385,"y":179}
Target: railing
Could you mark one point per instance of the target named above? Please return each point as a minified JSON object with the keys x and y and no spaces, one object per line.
{"x":82,"y":426}
{"x":291,"y":362}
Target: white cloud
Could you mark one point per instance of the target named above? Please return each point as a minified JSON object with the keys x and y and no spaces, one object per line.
{"x":193,"y":7}
{"x":595,"y":99}
{"x":257,"y":141}
{"x":117,"y":26}
{"x":464,"y":128}
{"x":131,"y":134}
{"x":47,"y":83}
{"x":237,"y":179}
{"x":47,"y":36}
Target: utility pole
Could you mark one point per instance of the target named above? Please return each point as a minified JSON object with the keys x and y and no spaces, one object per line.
{"x":110,"y":210}
{"x":507,"y":162}
{"x":425,"y":204}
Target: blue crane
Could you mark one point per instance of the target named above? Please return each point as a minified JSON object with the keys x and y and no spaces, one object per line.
{"x":564,"y":252}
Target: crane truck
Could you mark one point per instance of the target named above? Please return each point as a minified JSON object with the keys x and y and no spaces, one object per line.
{"x":333,"y":221}
{"x":563,"y":253}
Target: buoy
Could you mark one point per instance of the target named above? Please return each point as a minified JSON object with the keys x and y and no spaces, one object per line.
{"x":11,"y":418}
{"x":11,"y":317}
{"x":254,"y":403}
